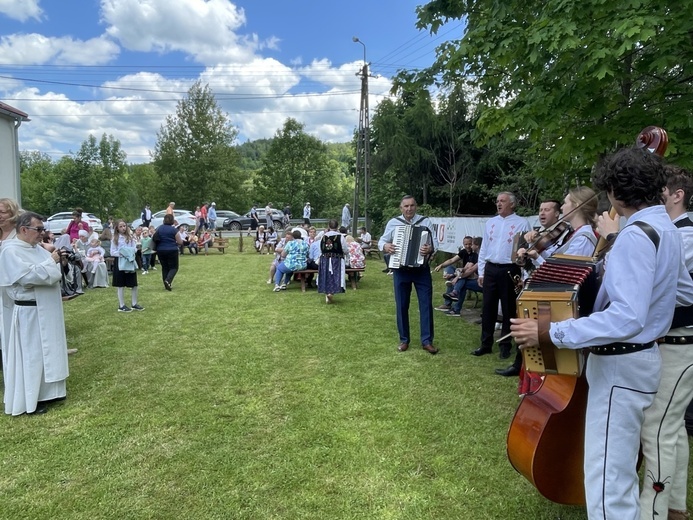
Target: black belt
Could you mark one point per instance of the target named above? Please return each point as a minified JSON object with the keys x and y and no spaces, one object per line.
{"x":502,"y":266}
{"x":614,"y":349}
{"x":676,"y":340}
{"x":25,"y":303}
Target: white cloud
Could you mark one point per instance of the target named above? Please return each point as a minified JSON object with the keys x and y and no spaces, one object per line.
{"x":21,"y":10}
{"x":258,"y":93}
{"x":204,"y":29}
{"x":36,"y":49}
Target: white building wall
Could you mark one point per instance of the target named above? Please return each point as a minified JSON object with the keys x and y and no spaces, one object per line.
{"x":9,"y":160}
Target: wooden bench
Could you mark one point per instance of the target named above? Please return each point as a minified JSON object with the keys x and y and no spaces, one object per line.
{"x":352,"y":274}
{"x":219,"y":243}
{"x":372,"y":250}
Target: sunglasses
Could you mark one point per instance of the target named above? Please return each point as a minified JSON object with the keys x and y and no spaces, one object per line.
{"x":39,"y":229}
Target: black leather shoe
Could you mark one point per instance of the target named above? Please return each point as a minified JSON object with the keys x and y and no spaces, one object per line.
{"x":512,"y":370}
{"x":504,"y":353}
{"x":481,"y":351}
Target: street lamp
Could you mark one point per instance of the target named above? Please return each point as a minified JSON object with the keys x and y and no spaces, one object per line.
{"x":356,"y":40}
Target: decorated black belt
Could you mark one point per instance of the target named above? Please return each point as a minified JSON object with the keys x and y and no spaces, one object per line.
{"x":25,"y":303}
{"x":614,"y":349}
{"x":676,"y":340}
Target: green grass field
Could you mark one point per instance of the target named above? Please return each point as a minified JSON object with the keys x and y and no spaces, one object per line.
{"x":224,"y":400}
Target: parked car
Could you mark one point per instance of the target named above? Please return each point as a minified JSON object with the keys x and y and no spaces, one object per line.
{"x":223,"y":214}
{"x":58,"y":222}
{"x":182,"y":216}
{"x":239,"y":223}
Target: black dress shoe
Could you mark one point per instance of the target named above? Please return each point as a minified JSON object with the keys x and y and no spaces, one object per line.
{"x":504,"y":353}
{"x":512,"y":370}
{"x":481,"y":351}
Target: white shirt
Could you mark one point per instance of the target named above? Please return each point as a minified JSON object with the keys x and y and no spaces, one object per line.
{"x":497,"y":245}
{"x":581,"y":243}
{"x":306,"y":211}
{"x":640,"y":288}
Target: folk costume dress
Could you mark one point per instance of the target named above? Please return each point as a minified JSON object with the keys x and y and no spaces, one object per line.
{"x":332,"y":269}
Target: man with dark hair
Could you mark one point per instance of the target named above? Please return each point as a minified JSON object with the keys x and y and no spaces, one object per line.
{"x":645,"y":278}
{"x":419,"y":277}
{"x":466,"y":261}
{"x":497,"y":272}
{"x":664,"y":437}
{"x":33,"y":328}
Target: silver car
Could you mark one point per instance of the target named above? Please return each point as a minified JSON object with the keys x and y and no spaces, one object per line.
{"x":182,"y":216}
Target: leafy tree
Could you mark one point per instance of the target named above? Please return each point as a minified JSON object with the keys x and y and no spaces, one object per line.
{"x":94,"y":179}
{"x":297,"y":169}
{"x":194,"y":154}
{"x":575,"y":79}
{"x":38,"y":181}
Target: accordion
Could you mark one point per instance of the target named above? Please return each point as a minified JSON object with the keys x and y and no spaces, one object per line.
{"x":563,"y":287}
{"x":408,"y":241}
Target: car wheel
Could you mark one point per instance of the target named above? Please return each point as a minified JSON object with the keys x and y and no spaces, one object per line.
{"x":235,"y":226}
{"x":278,"y":224}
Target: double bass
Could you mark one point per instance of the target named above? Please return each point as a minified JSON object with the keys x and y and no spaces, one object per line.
{"x":545,"y":440}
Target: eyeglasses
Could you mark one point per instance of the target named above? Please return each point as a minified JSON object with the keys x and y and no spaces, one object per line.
{"x":39,"y":229}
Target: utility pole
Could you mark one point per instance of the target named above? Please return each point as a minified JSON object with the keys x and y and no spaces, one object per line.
{"x":363,"y":145}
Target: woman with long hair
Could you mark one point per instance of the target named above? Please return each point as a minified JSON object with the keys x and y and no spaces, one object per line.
{"x":123,"y":249}
{"x":76,"y":225}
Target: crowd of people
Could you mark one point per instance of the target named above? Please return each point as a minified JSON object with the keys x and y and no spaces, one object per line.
{"x":329,"y":252}
{"x":636,"y":329}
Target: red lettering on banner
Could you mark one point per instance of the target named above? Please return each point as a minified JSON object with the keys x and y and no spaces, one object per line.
{"x":441,"y":233}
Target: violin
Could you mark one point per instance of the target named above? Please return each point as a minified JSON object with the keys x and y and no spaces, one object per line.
{"x":550,"y":236}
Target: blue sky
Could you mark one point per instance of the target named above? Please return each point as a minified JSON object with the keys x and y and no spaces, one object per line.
{"x":81,"y":67}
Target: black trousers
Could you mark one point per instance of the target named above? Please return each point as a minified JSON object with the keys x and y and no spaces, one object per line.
{"x":169,"y":264}
{"x":498,"y":286}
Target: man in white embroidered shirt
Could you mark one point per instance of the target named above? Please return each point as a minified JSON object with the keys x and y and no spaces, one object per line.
{"x":645,"y":278}
{"x":34,"y":347}
{"x":497,"y":272}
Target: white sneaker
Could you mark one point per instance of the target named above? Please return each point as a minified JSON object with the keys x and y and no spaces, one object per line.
{"x":269,"y":281}
{"x":276,"y":288}
{"x":145,"y":272}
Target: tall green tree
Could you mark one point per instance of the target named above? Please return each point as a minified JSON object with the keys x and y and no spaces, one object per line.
{"x":38,"y":181}
{"x":574,"y":78}
{"x":194,"y":154}
{"x":94,"y":179}
{"x":296,"y":169}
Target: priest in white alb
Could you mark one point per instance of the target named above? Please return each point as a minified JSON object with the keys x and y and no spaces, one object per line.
{"x":34,"y":352}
